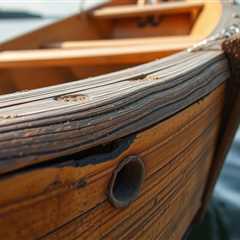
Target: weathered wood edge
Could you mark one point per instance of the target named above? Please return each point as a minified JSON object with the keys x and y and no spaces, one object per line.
{"x":135,"y":118}
{"x":21,"y":161}
{"x":231,"y":118}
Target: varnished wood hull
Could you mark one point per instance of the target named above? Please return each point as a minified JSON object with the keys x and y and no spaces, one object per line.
{"x":67,"y":202}
{"x":61,"y":148}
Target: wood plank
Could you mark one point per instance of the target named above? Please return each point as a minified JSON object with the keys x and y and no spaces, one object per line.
{"x":213,"y":13}
{"x":82,"y":27}
{"x":141,"y":2}
{"x":99,"y":214}
{"x":231,"y":117}
{"x":12,"y":194}
{"x":136,"y":221}
{"x":165,"y":8}
{"x":89,"y":56}
{"x":138,"y":72}
{"x":177,"y":41}
{"x":23,"y":232}
{"x":188,"y":195}
{"x":60,"y":136}
{"x":43,"y":211}
{"x":22,"y":78}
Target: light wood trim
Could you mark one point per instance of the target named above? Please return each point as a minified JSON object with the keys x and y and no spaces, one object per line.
{"x":163,"y":41}
{"x":207,"y":19}
{"x":135,"y":11}
{"x":141,"y":2}
{"x":102,"y":56}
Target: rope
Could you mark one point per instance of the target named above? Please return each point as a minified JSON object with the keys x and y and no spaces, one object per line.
{"x":224,"y":34}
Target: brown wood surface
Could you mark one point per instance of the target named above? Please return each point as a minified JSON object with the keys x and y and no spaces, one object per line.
{"x":140,"y":11}
{"x":88,"y":57}
{"x":81,"y":27}
{"x":60,"y":145}
{"x":52,"y":198}
{"x":167,"y":42}
{"x":51,"y":131}
{"x":231,"y":118}
{"x":18,"y":67}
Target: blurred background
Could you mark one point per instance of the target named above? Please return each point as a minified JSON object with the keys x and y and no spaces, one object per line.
{"x":221,"y":220}
{"x":38,"y":13}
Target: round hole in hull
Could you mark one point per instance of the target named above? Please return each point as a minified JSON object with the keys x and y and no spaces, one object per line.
{"x":126,"y":182}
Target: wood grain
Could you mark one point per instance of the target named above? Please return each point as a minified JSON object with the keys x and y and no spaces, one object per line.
{"x":51,"y":197}
{"x":88,"y":57}
{"x":140,"y":11}
{"x":60,"y":145}
{"x":125,"y":107}
{"x":171,"y":41}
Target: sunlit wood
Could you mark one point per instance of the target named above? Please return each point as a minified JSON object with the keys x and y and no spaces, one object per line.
{"x":111,"y":128}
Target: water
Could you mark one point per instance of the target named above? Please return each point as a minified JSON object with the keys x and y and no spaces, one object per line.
{"x":221,"y":221}
{"x":12,"y":28}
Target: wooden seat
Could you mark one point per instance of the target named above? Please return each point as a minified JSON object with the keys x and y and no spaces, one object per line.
{"x":145,"y":10}
{"x":177,"y":41}
{"x":101,"y":52}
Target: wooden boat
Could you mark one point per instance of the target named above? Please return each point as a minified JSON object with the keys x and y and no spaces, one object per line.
{"x":127,"y":154}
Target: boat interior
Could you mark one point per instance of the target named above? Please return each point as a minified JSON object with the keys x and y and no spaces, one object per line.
{"x":116,"y":35}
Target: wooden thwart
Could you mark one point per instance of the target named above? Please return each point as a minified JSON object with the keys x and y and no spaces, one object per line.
{"x":177,"y":42}
{"x":61,"y":145}
{"x":99,"y":53}
{"x":147,"y":9}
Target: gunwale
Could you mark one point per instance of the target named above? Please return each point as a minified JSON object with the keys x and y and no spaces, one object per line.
{"x":19,"y":128}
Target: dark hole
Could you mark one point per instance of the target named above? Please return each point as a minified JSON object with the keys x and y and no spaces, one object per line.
{"x":126,"y":182}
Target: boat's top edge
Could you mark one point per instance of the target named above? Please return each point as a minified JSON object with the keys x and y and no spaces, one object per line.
{"x":99,"y":100}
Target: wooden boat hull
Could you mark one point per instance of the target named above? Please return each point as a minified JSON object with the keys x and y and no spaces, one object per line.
{"x":128,"y":155}
{"x":71,"y":203}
